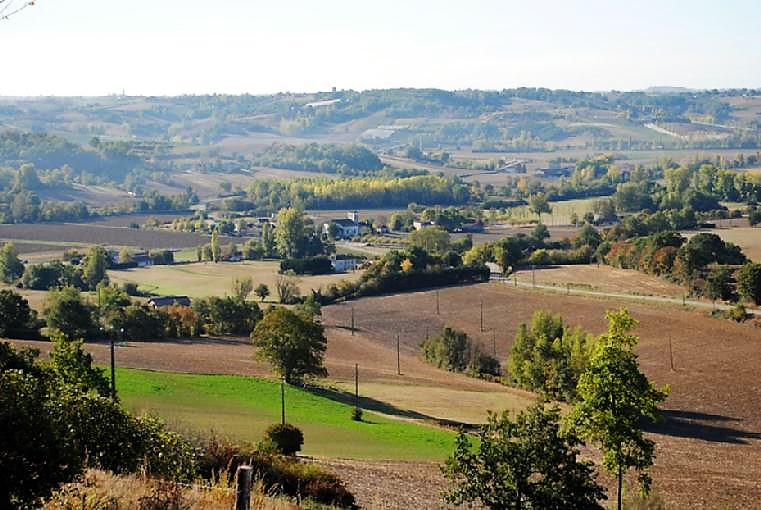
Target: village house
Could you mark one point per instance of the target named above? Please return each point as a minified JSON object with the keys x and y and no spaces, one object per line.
{"x":344,"y":228}
{"x":163,"y":301}
{"x":344,"y":263}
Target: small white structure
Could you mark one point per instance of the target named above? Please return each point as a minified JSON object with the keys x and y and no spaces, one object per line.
{"x":344,"y":263}
{"x":420,"y":225}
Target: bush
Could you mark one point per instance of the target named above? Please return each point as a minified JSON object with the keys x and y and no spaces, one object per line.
{"x":356,"y":413}
{"x":453,"y":350}
{"x":307,"y":265}
{"x":288,"y":438}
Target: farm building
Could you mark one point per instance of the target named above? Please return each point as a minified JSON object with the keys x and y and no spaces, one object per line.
{"x":420,"y":225}
{"x":555,"y":172}
{"x":344,"y":228}
{"x":162,"y":301}
{"x":344,"y":263}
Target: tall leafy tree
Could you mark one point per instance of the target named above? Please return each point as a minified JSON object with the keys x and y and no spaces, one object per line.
{"x":749,"y":282}
{"x":11,"y":268}
{"x":614,"y":397}
{"x":289,"y":233}
{"x":95,"y":266}
{"x":293,"y":343}
{"x":66,"y":311}
{"x":527,"y":463}
{"x":539,"y":204}
{"x":16,"y":318}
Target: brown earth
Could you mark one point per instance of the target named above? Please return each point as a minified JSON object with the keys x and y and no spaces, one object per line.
{"x":62,"y":234}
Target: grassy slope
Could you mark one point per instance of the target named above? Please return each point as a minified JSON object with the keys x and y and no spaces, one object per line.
{"x":206,"y":279}
{"x":242,"y":407}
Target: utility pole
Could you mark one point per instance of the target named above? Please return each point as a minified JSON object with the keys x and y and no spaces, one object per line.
{"x":352,"y":321}
{"x":437,"y":302}
{"x":533,"y":275}
{"x":398,"y":360}
{"x":282,"y":401}
{"x":494,"y":342}
{"x":482,"y":316}
{"x":113,"y":369}
{"x":356,"y":384}
{"x":671,"y":355}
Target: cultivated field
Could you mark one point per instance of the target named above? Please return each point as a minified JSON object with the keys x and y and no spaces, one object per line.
{"x":601,"y":278}
{"x":63,"y":235}
{"x":208,"y":279}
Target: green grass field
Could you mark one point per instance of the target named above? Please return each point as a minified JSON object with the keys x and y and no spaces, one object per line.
{"x":242,"y":408}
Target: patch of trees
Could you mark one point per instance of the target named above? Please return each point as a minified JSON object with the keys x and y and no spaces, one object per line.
{"x":359,"y":192}
{"x":670,"y":254}
{"x":452,"y":350}
{"x":549,"y":357}
{"x":307,"y":265}
{"x":327,"y":158}
{"x":533,"y":462}
{"x":111,"y":161}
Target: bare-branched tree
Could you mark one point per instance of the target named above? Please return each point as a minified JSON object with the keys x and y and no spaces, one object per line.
{"x":10,"y":7}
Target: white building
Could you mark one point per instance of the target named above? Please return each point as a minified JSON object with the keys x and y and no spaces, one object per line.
{"x":345,"y":227}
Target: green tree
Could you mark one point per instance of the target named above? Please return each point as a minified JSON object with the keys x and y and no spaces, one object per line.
{"x":262,"y":290}
{"x":431,"y":239}
{"x":749,"y":282}
{"x":523,"y":464}
{"x":293,"y":344}
{"x":539,"y":204}
{"x":614,"y":397}
{"x":216,"y":250}
{"x":66,"y":311}
{"x":268,"y":239}
{"x":289,"y":233}
{"x":719,"y":284}
{"x":11,"y":268}
{"x":73,"y":365}
{"x":16,"y":318}
{"x":95,"y":266}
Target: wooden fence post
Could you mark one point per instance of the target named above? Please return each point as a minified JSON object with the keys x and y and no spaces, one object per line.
{"x":243,"y":492}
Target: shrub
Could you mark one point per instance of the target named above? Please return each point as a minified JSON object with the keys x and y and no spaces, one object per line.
{"x":356,"y":413}
{"x":307,"y":265}
{"x":453,"y":350}
{"x":288,"y":438}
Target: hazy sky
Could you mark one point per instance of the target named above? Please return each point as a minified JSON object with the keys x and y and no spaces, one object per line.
{"x":96,"y":47}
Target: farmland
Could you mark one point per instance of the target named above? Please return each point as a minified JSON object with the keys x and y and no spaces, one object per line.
{"x":708,"y":446}
{"x":74,"y":234}
{"x":206,"y":278}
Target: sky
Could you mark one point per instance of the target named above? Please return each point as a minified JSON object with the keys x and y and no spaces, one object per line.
{"x":170,"y":47}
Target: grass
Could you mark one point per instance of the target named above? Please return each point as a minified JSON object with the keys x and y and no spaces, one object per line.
{"x":561,"y":211}
{"x":205,"y":278}
{"x":243,"y":407}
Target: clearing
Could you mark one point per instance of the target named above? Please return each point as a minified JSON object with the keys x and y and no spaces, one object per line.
{"x":202,"y":279}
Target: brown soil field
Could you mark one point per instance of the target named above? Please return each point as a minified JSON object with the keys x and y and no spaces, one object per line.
{"x":71,"y":233}
{"x":708,"y":448}
{"x":603,"y":278}
{"x":125,"y":220}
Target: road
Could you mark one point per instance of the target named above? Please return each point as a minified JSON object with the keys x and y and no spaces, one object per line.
{"x":621,"y":295}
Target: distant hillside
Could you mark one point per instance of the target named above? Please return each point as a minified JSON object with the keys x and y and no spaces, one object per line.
{"x":523,"y":119}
